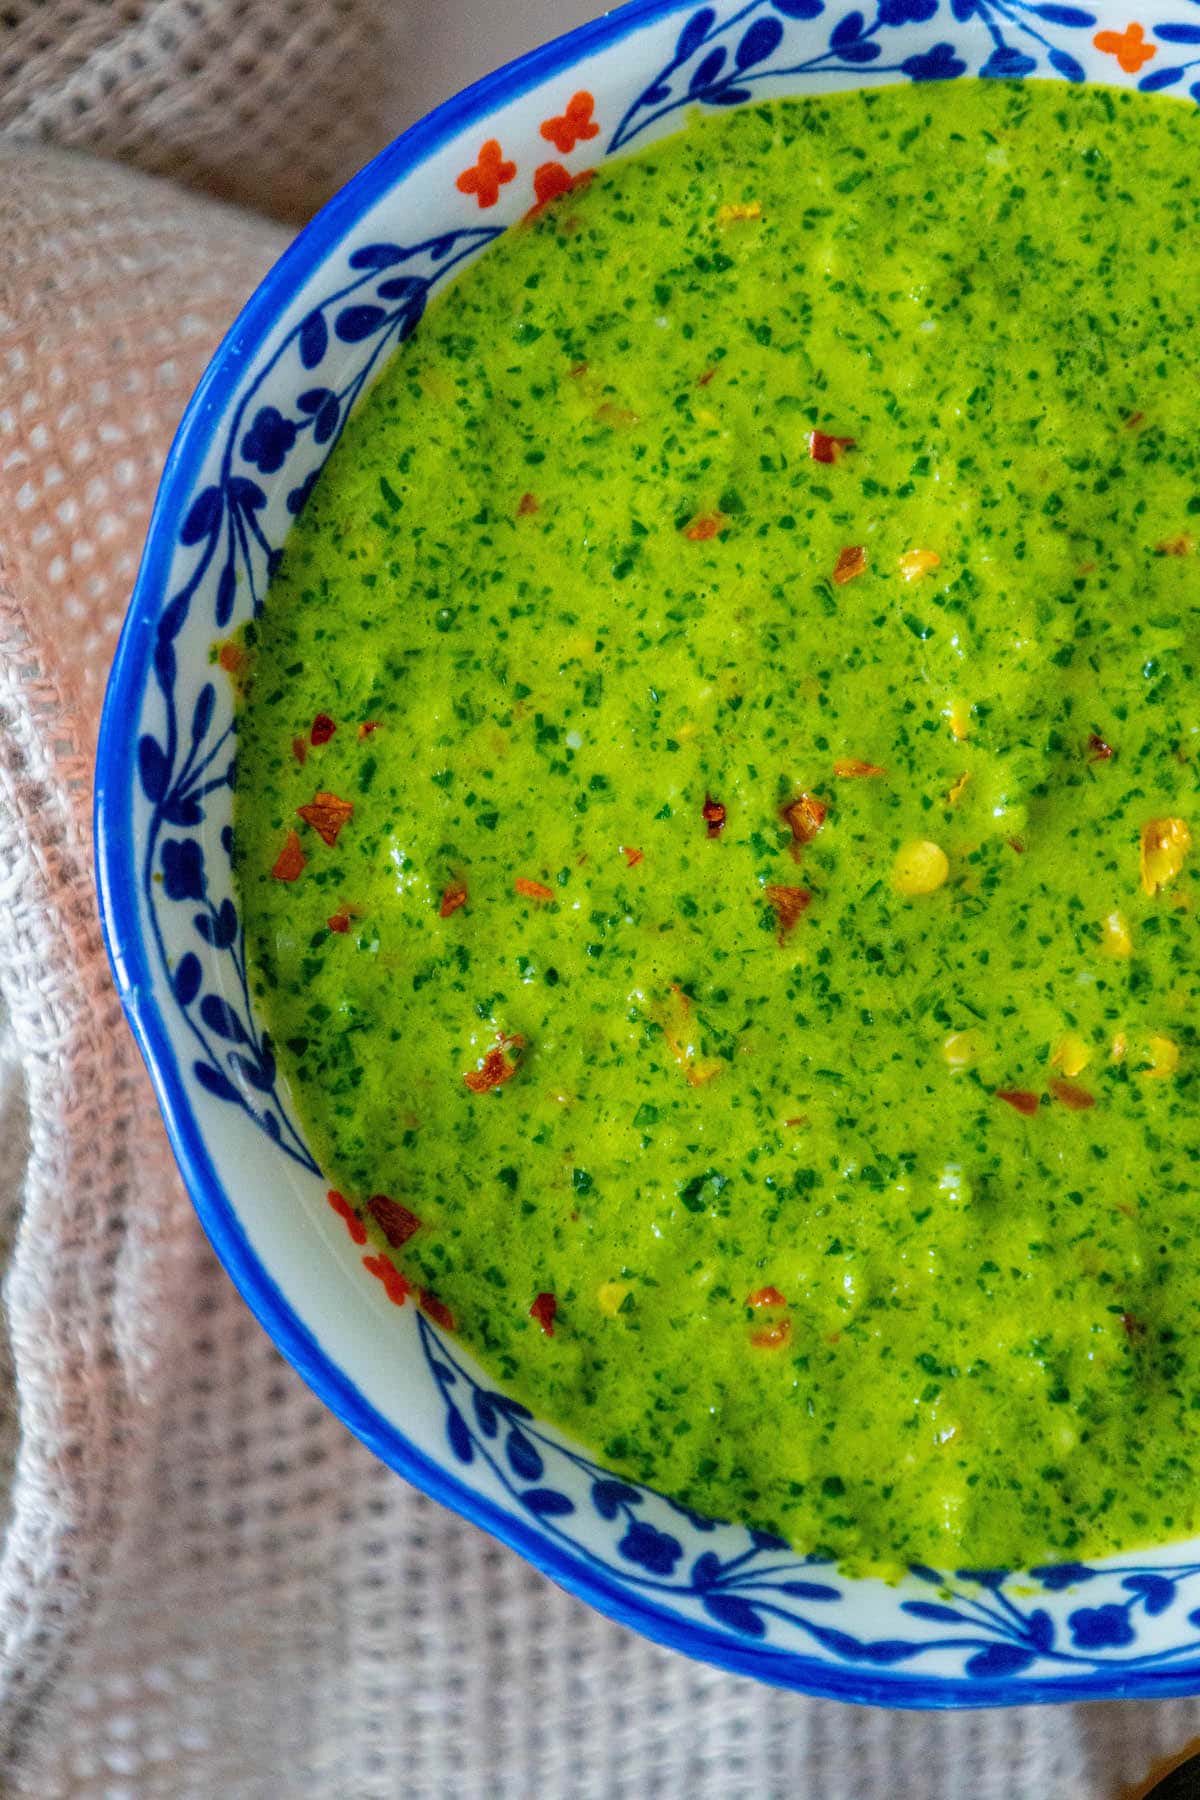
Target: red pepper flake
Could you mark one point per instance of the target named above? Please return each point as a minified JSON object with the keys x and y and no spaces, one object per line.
{"x":532,"y":890}
{"x":396,"y":1286}
{"x":713,"y":814}
{"x":323,"y":729}
{"x":800,"y":1119}
{"x":1132,"y":1326}
{"x":340,"y":922}
{"x":326,"y":814}
{"x":824,"y":449}
{"x":367,"y":727}
{"x":703,"y":380}
{"x":231,"y":657}
{"x":705,"y":525}
{"x":765,"y":1296}
{"x":1017,"y":845}
{"x":632,"y":857}
{"x":578,"y":369}
{"x":454,"y":897}
{"x":436,"y":1309}
{"x":344,"y":1210}
{"x":1019,"y":1099}
{"x":1134,"y":420}
{"x":543,"y":1310}
{"x":773,"y":1336}
{"x":395,"y":1221}
{"x":496,"y":1070}
{"x":805,"y":816}
{"x":1077,"y":1099}
{"x":528,"y":503}
{"x":299,"y":750}
{"x":851,"y":562}
{"x":1176,"y":546}
{"x":849,"y":768}
{"x":790,"y":903}
{"x":291,"y":859}
{"x":1098,"y":750}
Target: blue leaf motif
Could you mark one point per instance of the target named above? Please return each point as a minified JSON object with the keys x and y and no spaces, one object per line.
{"x":326,"y":422}
{"x":225,"y":925}
{"x":931,"y":1610}
{"x":727,"y":96}
{"x":377,"y":256}
{"x":222,"y":1019}
{"x":174,"y":617}
{"x":992,"y":1579}
{"x":694,"y":33}
{"x":938,"y":64}
{"x":1065,"y":64}
{"x":218,"y":1085}
{"x":1056,"y":1576}
{"x":1006,"y":63}
{"x":863,"y":52}
{"x":226,"y":590}
{"x":164,"y":664}
{"x":1039,"y":1629}
{"x":1178,"y":34}
{"x":523,"y":1457}
{"x":401,"y":287}
{"x":153,"y":767}
{"x":609,"y":1496}
{"x":707,"y":70}
{"x":314,"y":339}
{"x":767,"y":1540}
{"x":799,"y":9}
{"x":187,"y":980}
{"x":297,"y":498}
{"x":653,"y":1549}
{"x":999,"y":1659}
{"x":1161,"y":78}
{"x":846,"y":31}
{"x":485,"y":1412}
{"x":354,"y":323}
{"x":963,"y":10}
{"x":458,"y":1435}
{"x":203,"y":516}
{"x":1157,"y":1592}
{"x":270,"y":1124}
{"x":313,"y":399}
{"x":1071,"y":16}
{"x":246,"y":493}
{"x":811,"y":1590}
{"x":924,"y":1573}
{"x":183,"y":869}
{"x":547,"y":1503}
{"x":182,"y":809}
{"x":706,"y":1570}
{"x":738,"y":1614}
{"x":1101,"y":1627}
{"x":1194,"y":90}
{"x":202,"y":712}
{"x":761,"y":40}
{"x":906,"y":12}
{"x":258,"y":1075}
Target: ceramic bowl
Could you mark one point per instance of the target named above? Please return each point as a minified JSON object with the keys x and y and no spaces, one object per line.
{"x":261,"y":424}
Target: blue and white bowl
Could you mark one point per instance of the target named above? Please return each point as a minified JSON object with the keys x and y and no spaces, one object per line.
{"x":262,"y":422}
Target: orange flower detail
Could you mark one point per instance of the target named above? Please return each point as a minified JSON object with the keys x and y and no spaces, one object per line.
{"x":395,"y":1286}
{"x":574,"y":126}
{"x":488,"y":175}
{"x":551,"y":181}
{"x":1129,"y":47}
{"x":344,"y":1210}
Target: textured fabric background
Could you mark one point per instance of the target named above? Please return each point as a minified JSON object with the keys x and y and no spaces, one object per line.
{"x":208,"y":1590}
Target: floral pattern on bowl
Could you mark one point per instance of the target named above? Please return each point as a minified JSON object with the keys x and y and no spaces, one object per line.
{"x":265,"y":417}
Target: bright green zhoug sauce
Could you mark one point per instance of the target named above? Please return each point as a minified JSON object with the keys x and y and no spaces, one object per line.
{"x":984,"y":1343}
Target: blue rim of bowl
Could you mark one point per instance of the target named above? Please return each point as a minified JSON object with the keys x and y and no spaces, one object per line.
{"x":116,"y":867}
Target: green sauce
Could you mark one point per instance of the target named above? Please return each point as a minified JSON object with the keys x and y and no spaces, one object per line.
{"x":574,"y":559}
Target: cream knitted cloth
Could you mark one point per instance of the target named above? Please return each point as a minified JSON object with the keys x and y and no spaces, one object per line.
{"x":207,"y":1588}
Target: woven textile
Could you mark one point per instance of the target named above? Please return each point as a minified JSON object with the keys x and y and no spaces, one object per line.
{"x":208,"y":1590}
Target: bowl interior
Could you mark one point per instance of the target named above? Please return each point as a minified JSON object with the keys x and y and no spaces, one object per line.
{"x":264,"y":419}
